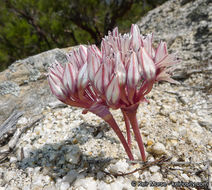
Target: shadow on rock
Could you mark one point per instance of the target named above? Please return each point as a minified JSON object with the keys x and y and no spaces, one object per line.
{"x":64,"y":160}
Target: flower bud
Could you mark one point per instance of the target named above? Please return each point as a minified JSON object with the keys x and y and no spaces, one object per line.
{"x":93,"y":61}
{"x":115,"y":32}
{"x":101,"y":79}
{"x":120,"y":70}
{"x":147,"y":43}
{"x":133,"y":75}
{"x":136,"y":37}
{"x":69,"y":77}
{"x":82,"y":79}
{"x":83,"y":53}
{"x":56,"y":86}
{"x":148,"y":65}
{"x":113,"y":91}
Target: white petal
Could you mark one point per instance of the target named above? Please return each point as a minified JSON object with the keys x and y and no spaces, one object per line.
{"x":167,"y":61}
{"x":139,"y":57}
{"x":83,"y":53}
{"x":98,"y":80}
{"x":101,"y":79}
{"x":120,"y":69}
{"x":113,"y":91}
{"x":96,"y":51}
{"x":133,"y":75}
{"x":147,"y":43}
{"x":72,"y":59}
{"x":105,"y":48}
{"x":109,"y":65}
{"x":56,"y":86}
{"x":82,"y":77}
{"x":69,"y":77}
{"x":115,"y":32}
{"x":57,"y":69}
{"x":148,"y":65}
{"x":136,"y":37}
{"x":161,"y":52}
{"x":93,"y":64}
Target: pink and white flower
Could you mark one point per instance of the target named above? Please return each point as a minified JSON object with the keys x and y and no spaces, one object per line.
{"x":118,"y":75}
{"x":125,"y":70}
{"x":71,"y":85}
{"x":128,"y":64}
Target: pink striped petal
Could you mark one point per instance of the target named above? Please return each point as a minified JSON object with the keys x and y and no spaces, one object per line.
{"x":161,"y":52}
{"x":164,"y":76}
{"x":113,"y":91}
{"x":115,"y":32}
{"x":125,"y":45}
{"x":136,"y":37}
{"x":105,"y":48}
{"x":120,"y":69}
{"x":57,"y":69}
{"x":148,"y":65}
{"x":96,"y":51}
{"x":139,"y":57}
{"x":167,"y":61}
{"x":69,"y":77}
{"x":78,"y":58}
{"x":83,"y":53}
{"x":82,"y":79}
{"x":133,"y":75}
{"x":93,"y":64}
{"x":101,"y":79}
{"x":56,"y":86}
{"x":72,"y":59}
{"x":147,"y":43}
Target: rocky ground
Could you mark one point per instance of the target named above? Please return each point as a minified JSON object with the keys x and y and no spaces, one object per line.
{"x":70,"y":150}
{"x":65,"y":149}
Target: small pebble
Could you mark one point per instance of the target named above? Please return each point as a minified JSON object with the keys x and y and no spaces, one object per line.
{"x":70,"y":177}
{"x":158,"y":149}
{"x":173,"y":117}
{"x":86,"y":183}
{"x":154,"y":169}
{"x":73,"y":155}
{"x":64,"y":186}
{"x":150,"y":142}
{"x":120,"y":166}
{"x":13,"y":159}
{"x":100,"y":175}
{"x":22,"y":121}
{"x":103,"y":186}
{"x":185,"y":177}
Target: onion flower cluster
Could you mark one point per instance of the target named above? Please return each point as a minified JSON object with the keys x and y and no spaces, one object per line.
{"x":117,"y":76}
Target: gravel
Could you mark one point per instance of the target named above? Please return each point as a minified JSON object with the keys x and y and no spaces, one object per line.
{"x":62,"y":151}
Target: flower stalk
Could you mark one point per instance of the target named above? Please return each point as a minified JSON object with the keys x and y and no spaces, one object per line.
{"x":127,"y":125}
{"x":103,"y":112}
{"x":131,"y":115}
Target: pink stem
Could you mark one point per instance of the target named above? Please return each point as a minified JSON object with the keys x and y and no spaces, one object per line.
{"x":131,"y":114}
{"x":127,"y":125}
{"x":103,"y":112}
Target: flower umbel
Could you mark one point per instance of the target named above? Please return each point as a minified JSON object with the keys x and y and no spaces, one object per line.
{"x":71,"y":85}
{"x":117,"y":76}
{"x":128,"y":67}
